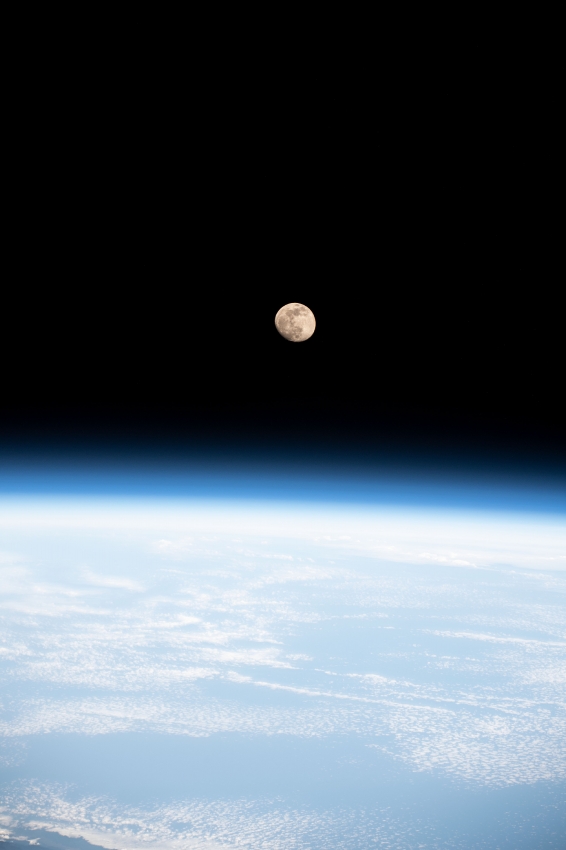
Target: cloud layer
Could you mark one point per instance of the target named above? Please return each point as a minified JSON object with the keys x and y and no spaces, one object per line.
{"x":440,"y":642}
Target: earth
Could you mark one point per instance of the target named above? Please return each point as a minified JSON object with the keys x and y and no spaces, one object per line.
{"x":222,"y":671}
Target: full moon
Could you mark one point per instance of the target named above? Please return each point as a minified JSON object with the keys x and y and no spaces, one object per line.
{"x":295,"y":322}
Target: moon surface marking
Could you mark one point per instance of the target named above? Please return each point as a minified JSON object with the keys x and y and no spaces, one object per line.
{"x":295,"y":322}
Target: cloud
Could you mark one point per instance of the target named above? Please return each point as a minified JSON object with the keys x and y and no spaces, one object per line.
{"x":497,"y":638}
{"x":201,"y":824}
{"x":176,"y":549}
{"x":451,"y":559}
{"x":112,"y":582}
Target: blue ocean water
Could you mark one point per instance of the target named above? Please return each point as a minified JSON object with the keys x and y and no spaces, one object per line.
{"x":251,"y":659}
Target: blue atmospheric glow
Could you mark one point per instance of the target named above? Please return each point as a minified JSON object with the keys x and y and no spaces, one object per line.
{"x":275,"y":658}
{"x":512,"y":490}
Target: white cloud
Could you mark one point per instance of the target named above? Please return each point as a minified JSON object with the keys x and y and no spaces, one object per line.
{"x":401,"y":534}
{"x":176,"y":549}
{"x":498,"y":638}
{"x":117,"y":582}
{"x":201,"y":825}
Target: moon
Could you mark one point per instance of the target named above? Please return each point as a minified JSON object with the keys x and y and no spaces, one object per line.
{"x":295,"y":322}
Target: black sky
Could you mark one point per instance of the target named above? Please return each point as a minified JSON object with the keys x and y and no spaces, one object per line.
{"x":409,"y":204}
